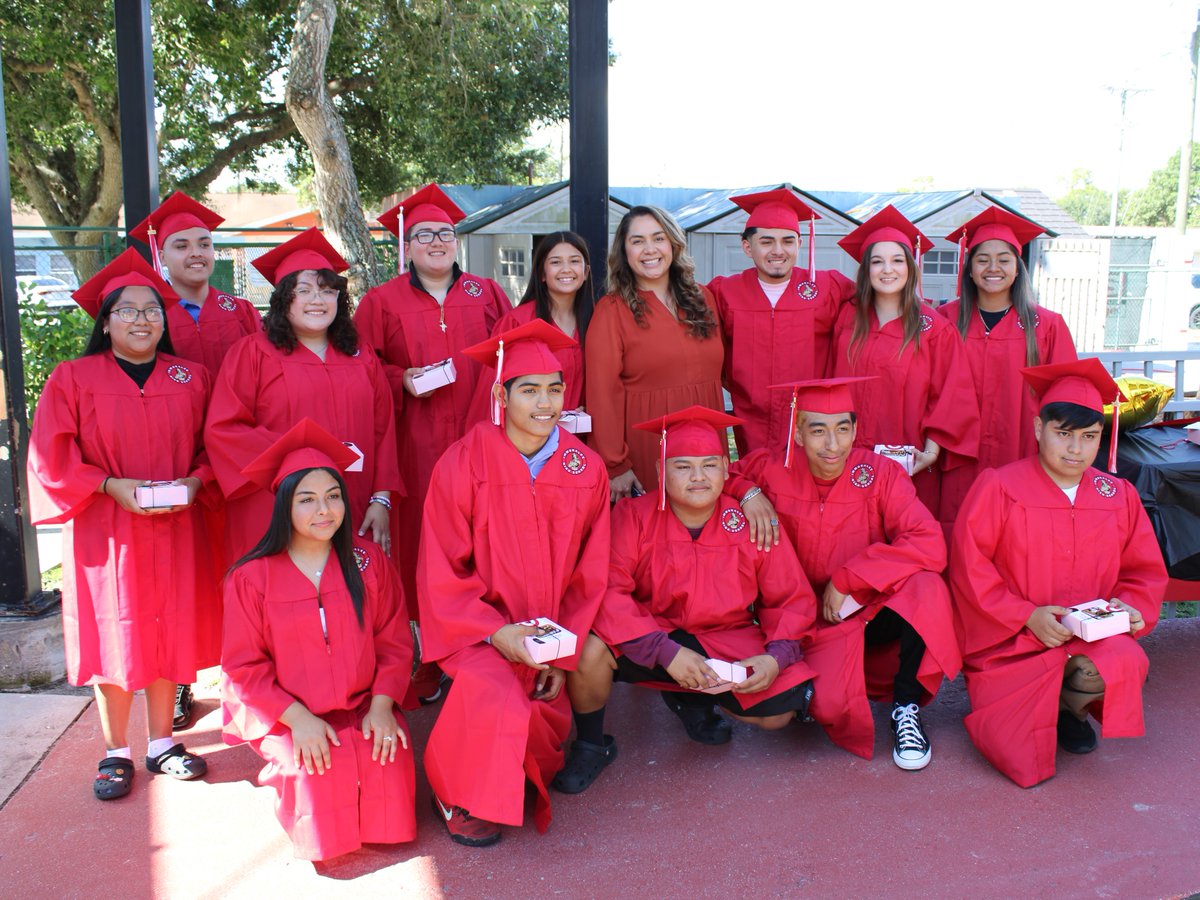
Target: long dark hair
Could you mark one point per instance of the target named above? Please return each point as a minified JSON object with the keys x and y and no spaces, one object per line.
{"x":538,"y":293}
{"x":100,"y":341}
{"x":910,"y":304}
{"x":1021,"y":295}
{"x":689,"y":299}
{"x":279,"y":535}
{"x":342,"y":334}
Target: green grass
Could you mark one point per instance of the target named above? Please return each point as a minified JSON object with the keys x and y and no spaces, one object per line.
{"x":52,"y":579}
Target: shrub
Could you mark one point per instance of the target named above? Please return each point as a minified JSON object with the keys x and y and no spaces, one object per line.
{"x":49,"y":335}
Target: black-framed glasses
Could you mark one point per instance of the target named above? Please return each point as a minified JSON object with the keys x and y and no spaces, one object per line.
{"x":446,"y":236}
{"x":129,"y":314}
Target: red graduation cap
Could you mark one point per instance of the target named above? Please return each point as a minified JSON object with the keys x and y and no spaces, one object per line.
{"x":781,"y":208}
{"x":127,"y":269}
{"x":429,"y":204}
{"x":825,"y":395}
{"x":306,"y":445}
{"x":177,"y":213}
{"x":993,"y":223}
{"x":695,"y":431}
{"x":886,"y":225}
{"x":1084,"y":382}
{"x":307,"y":250}
{"x":525,"y":350}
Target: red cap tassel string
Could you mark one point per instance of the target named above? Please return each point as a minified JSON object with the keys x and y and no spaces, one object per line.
{"x":812,"y":250}
{"x":662,"y":470}
{"x":917,"y":263}
{"x":496,"y":408}
{"x":1112,"y":444}
{"x":154,"y":257}
{"x":962,"y":264}
{"x":791,"y":435}
{"x":400,"y":239}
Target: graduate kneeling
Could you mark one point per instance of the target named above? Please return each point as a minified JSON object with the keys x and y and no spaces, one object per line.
{"x":686,"y":585}
{"x":317,"y":652}
{"x":861,"y":534}
{"x":1034,"y":537}
{"x":515,"y":528}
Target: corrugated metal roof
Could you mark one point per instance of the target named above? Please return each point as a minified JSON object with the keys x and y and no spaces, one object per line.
{"x":519,"y":197}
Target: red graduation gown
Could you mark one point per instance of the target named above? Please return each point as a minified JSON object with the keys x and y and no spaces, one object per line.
{"x":495,"y":550}
{"x":766,"y":346}
{"x":1005,"y":402}
{"x":224,"y":320}
{"x":275,"y":653}
{"x":635,"y":374}
{"x":263,"y":391}
{"x":720,"y":588}
{"x":402,"y":324}
{"x":140,"y":597}
{"x":876,"y":543}
{"x":1019,"y":543}
{"x":917,"y":394}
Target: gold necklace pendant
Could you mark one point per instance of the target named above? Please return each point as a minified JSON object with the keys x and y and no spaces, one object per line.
{"x":442,"y":318}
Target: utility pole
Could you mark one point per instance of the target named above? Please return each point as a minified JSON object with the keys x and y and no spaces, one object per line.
{"x":1116,"y":194}
{"x":1185,"y":151}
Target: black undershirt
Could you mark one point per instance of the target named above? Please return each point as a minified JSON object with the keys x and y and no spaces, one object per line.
{"x":992,"y":319}
{"x":139,"y":372}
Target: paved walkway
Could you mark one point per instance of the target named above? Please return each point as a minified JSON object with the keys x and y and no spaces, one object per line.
{"x":779,"y":814}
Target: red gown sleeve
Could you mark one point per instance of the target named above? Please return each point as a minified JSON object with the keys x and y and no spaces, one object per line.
{"x":450,"y":592}
{"x":587,"y":585}
{"x":951,"y":416}
{"x":252,"y":698}
{"x":393,"y":635}
{"x":387,"y":461}
{"x":621,"y":618}
{"x":232,"y":434}
{"x":988,"y":613}
{"x":746,"y":473}
{"x":914,"y":540}
{"x":787,"y":608}
{"x":376,"y":333}
{"x":210,"y":492}
{"x":61,"y":484}
{"x":603,"y":356}
{"x":1060,"y":345}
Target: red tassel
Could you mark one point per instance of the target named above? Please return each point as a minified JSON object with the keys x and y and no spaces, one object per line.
{"x":155,"y":259}
{"x":962,"y":264}
{"x":791,"y":436}
{"x":497,"y":409}
{"x":812,"y":250}
{"x":1112,"y":442}
{"x":662,"y":470}
{"x":400,"y":240}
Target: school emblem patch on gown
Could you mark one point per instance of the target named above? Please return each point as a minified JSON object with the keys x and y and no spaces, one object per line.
{"x":926,"y":322}
{"x":1104,"y":486}
{"x":733,"y":520}
{"x":226,"y":302}
{"x":862,"y":475}
{"x":179,"y":374}
{"x":1037,"y":320}
{"x":807,"y":290}
{"x":574,"y":461}
{"x":472,"y":288}
{"x":361,"y":559}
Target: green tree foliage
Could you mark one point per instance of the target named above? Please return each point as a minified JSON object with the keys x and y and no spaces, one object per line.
{"x":48,"y":336}
{"x":429,"y":89}
{"x":1155,"y":203}
{"x":1086,"y":203}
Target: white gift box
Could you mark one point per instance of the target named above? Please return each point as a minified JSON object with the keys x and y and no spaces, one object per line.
{"x":1095,"y":620}
{"x":576,"y":421}
{"x":160,"y":494}
{"x":550,"y":643}
{"x":849,"y":607}
{"x":730,"y":674}
{"x":901,"y":453}
{"x":435,"y":376}
{"x":1193,"y":432}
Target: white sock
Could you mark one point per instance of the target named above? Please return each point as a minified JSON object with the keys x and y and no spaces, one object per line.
{"x":118,"y":751}
{"x":159,"y":746}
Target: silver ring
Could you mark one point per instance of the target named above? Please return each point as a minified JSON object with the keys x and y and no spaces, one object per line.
{"x":774,"y":521}
{"x":387,"y":738}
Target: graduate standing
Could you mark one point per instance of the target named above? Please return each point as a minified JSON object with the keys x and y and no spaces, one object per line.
{"x":205,"y":322}
{"x":425,"y":315}
{"x":919,"y":391}
{"x":686,"y":585}
{"x":307,"y":364}
{"x":777,"y":319}
{"x":516,"y":527}
{"x":1034,"y":537}
{"x":140,"y":603}
{"x":859,"y":533}
{"x":1005,"y":330}
{"x":317,"y":653}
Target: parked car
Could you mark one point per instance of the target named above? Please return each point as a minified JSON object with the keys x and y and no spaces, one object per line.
{"x":49,"y":289}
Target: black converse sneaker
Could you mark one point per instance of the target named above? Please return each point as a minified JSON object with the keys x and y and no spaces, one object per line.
{"x":911,"y":749}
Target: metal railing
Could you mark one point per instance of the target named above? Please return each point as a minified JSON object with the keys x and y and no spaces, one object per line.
{"x":1157,"y":365}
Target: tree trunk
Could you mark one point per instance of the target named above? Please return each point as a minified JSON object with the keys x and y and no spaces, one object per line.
{"x":319,"y":123}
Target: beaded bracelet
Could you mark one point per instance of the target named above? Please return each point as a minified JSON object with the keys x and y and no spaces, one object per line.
{"x":382,"y":501}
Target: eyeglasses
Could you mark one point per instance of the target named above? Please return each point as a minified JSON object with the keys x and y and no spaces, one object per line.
{"x":307,"y":293}
{"x":446,"y":236}
{"x":129,"y":314}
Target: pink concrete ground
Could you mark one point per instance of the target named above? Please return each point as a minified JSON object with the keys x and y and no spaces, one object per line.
{"x":778,"y":814}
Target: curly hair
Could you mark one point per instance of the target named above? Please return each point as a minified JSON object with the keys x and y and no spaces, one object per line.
{"x":689,"y":298}
{"x":1021,"y":295}
{"x":910,"y":304}
{"x":342,"y":334}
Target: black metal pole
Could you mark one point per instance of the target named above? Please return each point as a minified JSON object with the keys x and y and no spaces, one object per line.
{"x":135,"y":95}
{"x":589,"y":129}
{"x":20,"y":576}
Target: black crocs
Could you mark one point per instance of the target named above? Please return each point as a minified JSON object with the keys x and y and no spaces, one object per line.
{"x":584,"y":764}
{"x":115,"y":778}
{"x":177,"y":763}
{"x":702,"y":722}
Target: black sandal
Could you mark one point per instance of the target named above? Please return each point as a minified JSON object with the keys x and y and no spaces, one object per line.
{"x":115,"y":778}
{"x":584,"y":764}
{"x":177,"y":763}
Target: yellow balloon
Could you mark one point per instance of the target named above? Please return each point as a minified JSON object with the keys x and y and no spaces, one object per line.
{"x":1146,"y":401}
